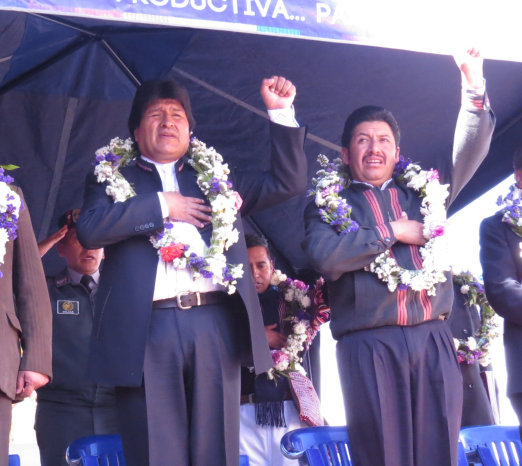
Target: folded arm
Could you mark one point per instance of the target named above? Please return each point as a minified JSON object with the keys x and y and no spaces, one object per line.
{"x":333,"y":254}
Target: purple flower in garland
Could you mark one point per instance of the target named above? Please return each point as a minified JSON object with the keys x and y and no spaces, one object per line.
{"x":199,"y":264}
{"x":9,"y":216}
{"x":4,"y":177}
{"x":479,"y":286}
{"x":300,"y":285}
{"x":401,"y":165}
{"x":467,"y":356}
{"x":9,"y":221}
{"x":216,"y":187}
{"x":112,"y":158}
{"x":227,"y":275}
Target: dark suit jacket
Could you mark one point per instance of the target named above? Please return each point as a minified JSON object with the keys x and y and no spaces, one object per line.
{"x":26,"y":325}
{"x":464,"y":322}
{"x":502,"y":268}
{"x":124,"y":300}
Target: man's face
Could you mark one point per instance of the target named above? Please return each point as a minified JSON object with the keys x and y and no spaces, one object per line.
{"x":84,"y":261}
{"x":373,"y":153}
{"x":261,"y":266}
{"x":163,"y":134}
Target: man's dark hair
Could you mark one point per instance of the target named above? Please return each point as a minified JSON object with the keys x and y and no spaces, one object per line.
{"x":369,"y":113}
{"x":150,"y":91}
{"x":254,"y":240}
{"x":517,"y":158}
{"x":69,"y":218}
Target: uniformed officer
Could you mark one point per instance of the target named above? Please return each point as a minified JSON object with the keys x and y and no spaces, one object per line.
{"x":70,"y":406}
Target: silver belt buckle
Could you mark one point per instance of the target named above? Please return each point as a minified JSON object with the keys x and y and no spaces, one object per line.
{"x":185,"y":293}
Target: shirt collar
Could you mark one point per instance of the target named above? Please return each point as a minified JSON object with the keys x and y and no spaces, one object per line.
{"x":382,"y":188}
{"x":75,"y":276}
{"x":161,"y":166}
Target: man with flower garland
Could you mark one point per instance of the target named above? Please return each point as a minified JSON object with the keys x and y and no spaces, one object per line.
{"x":399,"y":373}
{"x":501,"y":260}
{"x":25,"y":326}
{"x":166,"y":333}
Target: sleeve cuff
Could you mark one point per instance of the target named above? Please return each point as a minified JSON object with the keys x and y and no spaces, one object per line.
{"x":475,"y":98}
{"x":283,"y":116}
{"x":385,"y":235}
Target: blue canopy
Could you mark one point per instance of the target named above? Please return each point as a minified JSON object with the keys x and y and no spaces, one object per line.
{"x":66,"y":84}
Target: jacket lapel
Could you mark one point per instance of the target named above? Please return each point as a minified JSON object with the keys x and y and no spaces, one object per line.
{"x":188,"y":186}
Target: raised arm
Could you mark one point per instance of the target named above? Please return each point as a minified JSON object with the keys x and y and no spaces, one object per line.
{"x":288,"y":167}
{"x":475,"y":123}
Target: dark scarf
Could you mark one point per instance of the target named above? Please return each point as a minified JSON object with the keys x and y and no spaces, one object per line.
{"x":269,"y":395}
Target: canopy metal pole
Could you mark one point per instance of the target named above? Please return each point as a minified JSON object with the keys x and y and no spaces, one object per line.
{"x":231,"y":98}
{"x":59,"y":164}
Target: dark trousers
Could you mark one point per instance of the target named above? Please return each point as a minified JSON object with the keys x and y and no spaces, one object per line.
{"x":187,"y":411}
{"x":402,"y":390}
{"x":57,"y":425}
{"x":5,"y":427}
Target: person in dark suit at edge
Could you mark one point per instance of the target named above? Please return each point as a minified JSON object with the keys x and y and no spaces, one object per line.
{"x":501,"y":260}
{"x":171,"y":344}
{"x":25,"y":328}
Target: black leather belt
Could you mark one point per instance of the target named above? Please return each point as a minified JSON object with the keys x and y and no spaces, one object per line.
{"x":187,"y":300}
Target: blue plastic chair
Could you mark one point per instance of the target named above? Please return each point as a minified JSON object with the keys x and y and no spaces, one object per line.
{"x":96,"y":450}
{"x":14,"y":460}
{"x":495,"y":445}
{"x":243,"y":460}
{"x":318,"y":446}
{"x":462,"y":459}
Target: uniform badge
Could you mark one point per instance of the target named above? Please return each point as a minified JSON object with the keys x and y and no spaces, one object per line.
{"x":64,"y":306}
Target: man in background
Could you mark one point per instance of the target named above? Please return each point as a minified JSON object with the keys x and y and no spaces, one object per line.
{"x":71,"y":406}
{"x":267,"y":410}
{"x":501,"y":259}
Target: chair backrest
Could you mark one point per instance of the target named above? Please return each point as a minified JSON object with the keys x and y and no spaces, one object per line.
{"x":496,"y":445}
{"x":318,"y":446}
{"x":243,"y":460}
{"x":96,"y":450}
{"x":14,"y":460}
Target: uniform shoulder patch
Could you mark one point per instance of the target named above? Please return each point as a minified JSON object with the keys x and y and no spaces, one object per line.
{"x":66,"y":306}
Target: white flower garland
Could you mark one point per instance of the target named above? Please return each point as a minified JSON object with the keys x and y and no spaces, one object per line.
{"x":512,"y":209}
{"x":212,"y":178}
{"x":10,"y":204}
{"x":477,"y":347}
{"x":434,"y":254}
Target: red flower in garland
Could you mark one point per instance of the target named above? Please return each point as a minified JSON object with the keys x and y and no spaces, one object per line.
{"x":172,"y":251}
